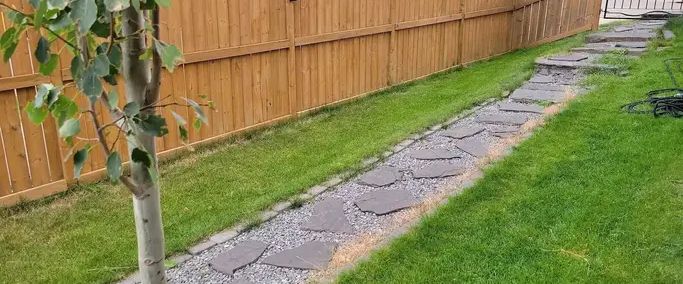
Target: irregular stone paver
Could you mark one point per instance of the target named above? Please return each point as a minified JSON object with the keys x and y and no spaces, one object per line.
{"x":504,"y":129}
{"x":473,"y":147}
{"x":573,"y":64}
{"x":544,"y":87}
{"x":636,"y":36}
{"x":314,"y":255}
{"x":242,"y":255}
{"x":434,"y":154}
{"x":439,"y":170}
{"x":502,"y":119}
{"x":538,"y":95}
{"x":504,"y":134}
{"x":542,"y":79}
{"x":328,"y":216}
{"x":622,"y":29}
{"x":463,"y":132}
{"x":383,"y":202}
{"x":571,"y":57}
{"x":609,"y":49}
{"x":381,"y":176}
{"x":631,"y":44}
{"x":517,"y":107}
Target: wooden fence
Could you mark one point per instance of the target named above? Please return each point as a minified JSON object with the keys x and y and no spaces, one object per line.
{"x":262,"y":61}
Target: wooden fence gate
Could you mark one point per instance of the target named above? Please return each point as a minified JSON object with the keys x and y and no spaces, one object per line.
{"x":262,"y":61}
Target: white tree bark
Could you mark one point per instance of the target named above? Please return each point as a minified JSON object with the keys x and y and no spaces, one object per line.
{"x":147,"y":204}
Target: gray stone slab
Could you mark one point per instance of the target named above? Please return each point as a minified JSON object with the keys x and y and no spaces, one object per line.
{"x":328,"y":216}
{"x":201,"y":247}
{"x":668,"y":35}
{"x":505,"y":119}
{"x":314,"y":255}
{"x":504,"y":129}
{"x":538,"y":95}
{"x":622,"y":29}
{"x":383,"y":202}
{"x":631,"y":44}
{"x":636,"y":36}
{"x":243,"y":254}
{"x":381,"y":176}
{"x":574,"y":57}
{"x":544,"y":87}
{"x":439,"y":170}
{"x":504,"y":135}
{"x":463,"y":132}
{"x":606,"y":50}
{"x":473,"y":147}
{"x":573,"y":64}
{"x":517,"y":107}
{"x":434,"y":154}
{"x":542,"y":79}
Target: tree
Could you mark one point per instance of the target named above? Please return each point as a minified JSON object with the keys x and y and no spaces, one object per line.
{"x":108,"y":39}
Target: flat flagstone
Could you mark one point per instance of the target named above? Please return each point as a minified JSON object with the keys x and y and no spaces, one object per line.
{"x":328,"y":216}
{"x":243,"y":254}
{"x":382,"y":176}
{"x":544,"y":87}
{"x":504,"y":129}
{"x":634,"y":36}
{"x":631,"y":44}
{"x":473,"y":147}
{"x":314,"y":255}
{"x":517,"y":107}
{"x":463,"y":132}
{"x":434,"y":154}
{"x":502,"y":119}
{"x":440,"y":170}
{"x":573,"y":64}
{"x":575,"y":57}
{"x":542,"y":79}
{"x":538,"y":95}
{"x":622,"y":29}
{"x":383,"y":202}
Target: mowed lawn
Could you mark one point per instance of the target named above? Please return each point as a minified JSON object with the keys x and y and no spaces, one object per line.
{"x":596,"y":196}
{"x":88,"y":235}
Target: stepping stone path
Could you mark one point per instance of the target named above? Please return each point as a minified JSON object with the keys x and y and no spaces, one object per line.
{"x":328,"y":216}
{"x":313,"y":255}
{"x":382,"y":176}
{"x":383,"y":202}
{"x":435,"y":154}
{"x":279,"y":251}
{"x":463,"y":132}
{"x":440,"y":170}
{"x":242,"y":255}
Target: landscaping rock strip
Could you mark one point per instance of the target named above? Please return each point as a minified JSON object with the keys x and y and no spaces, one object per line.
{"x":242,"y":255}
{"x":381,"y":176}
{"x":328,"y":216}
{"x":435,"y":154}
{"x":299,"y":240}
{"x":313,"y":255}
{"x":383,"y":202}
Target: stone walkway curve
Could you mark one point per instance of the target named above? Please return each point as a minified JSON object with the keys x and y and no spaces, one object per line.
{"x":295,"y":242}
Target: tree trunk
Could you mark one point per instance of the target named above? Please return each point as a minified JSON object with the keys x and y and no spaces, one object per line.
{"x":146,"y":204}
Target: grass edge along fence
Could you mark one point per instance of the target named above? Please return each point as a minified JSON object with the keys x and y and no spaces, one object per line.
{"x":264,"y":61}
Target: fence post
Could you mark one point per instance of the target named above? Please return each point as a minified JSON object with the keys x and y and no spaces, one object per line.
{"x":461,"y":34}
{"x":291,"y":58}
{"x":393,"y":44}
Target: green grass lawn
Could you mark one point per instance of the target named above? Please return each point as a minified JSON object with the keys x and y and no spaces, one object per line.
{"x":596,"y":196}
{"x":88,"y":236}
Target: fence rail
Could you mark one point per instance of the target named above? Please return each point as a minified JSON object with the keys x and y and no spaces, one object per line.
{"x":262,"y":61}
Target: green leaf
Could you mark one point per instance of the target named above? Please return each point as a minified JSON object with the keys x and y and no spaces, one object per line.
{"x":79,"y":161}
{"x":163,"y":3}
{"x":140,"y":156}
{"x":83,"y":12}
{"x":170,"y":55}
{"x":35,"y":114}
{"x":154,"y":125}
{"x":183,"y":133}
{"x":63,"y":109}
{"x":69,"y":128}
{"x":101,"y":63}
{"x":39,"y":15}
{"x":114,"y":168}
{"x":135,"y":4}
{"x":179,"y":118}
{"x":9,"y":51}
{"x":116,"y":5}
{"x":131,"y":109}
{"x":57,"y":4}
{"x":8,"y":37}
{"x":42,"y":50}
{"x":90,"y":83}
{"x":113,"y":99}
{"x":48,"y":67}
{"x":42,"y":93}
{"x":76,"y":68}
{"x":198,"y":111}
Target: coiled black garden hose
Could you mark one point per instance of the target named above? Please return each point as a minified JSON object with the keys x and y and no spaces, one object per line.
{"x":657,"y":102}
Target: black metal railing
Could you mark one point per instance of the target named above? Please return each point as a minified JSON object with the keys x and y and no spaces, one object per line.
{"x":642,"y":9}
